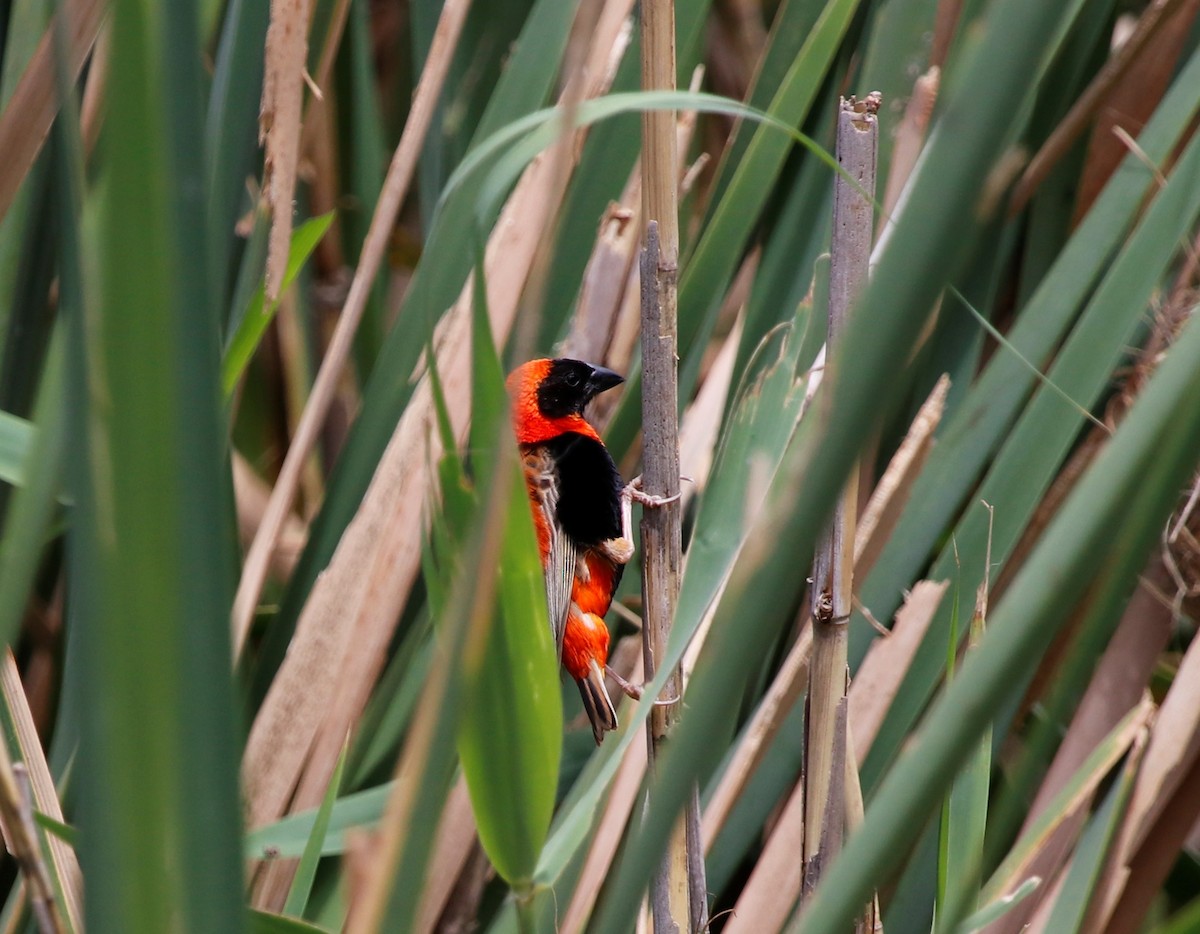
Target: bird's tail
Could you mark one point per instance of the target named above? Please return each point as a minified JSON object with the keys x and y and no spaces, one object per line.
{"x":596,"y":702}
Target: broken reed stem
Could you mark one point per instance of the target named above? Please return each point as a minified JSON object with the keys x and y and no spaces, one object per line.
{"x":673,"y":905}
{"x":825,"y":723}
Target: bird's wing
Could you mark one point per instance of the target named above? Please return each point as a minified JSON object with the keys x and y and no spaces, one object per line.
{"x":560,"y":555}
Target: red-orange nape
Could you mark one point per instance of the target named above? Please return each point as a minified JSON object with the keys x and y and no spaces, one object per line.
{"x":529,"y":423}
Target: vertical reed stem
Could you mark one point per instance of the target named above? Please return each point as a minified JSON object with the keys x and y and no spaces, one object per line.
{"x":672,"y":908}
{"x":825,"y":724}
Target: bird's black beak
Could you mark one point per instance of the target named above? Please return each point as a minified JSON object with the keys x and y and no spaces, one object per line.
{"x":601,"y":379}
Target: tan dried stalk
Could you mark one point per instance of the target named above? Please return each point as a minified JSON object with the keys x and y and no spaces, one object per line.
{"x":825,"y":733}
{"x":41,"y":784}
{"x":20,"y":836}
{"x":279,"y":119}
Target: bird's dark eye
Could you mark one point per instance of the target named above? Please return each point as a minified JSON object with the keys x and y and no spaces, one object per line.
{"x":573,"y":380}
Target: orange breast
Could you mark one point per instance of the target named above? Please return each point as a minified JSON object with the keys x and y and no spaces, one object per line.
{"x":586,"y":637}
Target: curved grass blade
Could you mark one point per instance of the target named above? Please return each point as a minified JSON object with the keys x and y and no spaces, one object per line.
{"x":510,"y":736}
{"x":249,"y":329}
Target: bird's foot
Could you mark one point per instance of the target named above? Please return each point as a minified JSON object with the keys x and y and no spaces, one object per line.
{"x":635,"y":690}
{"x":634,"y":492}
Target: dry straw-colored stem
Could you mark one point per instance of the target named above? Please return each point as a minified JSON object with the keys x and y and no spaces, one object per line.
{"x":20,"y":835}
{"x":825,"y":728}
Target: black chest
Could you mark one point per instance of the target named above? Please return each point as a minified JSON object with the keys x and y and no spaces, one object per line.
{"x":589,"y":488}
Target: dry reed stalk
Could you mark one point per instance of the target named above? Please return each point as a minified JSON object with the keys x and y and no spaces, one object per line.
{"x":41,"y":785}
{"x":677,"y":892}
{"x":324,"y":389}
{"x":661,"y":543}
{"x":825,"y":749}
{"x":26,"y":120}
{"x":20,"y":838}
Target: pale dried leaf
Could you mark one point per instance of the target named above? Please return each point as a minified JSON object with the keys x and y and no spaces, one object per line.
{"x":252,"y":494}
{"x":891,"y":493}
{"x":910,"y":139}
{"x":1116,"y":688}
{"x":1174,"y":746}
{"x":774,"y":885}
{"x":785,"y":690}
{"x":1042,"y":838}
{"x":1131,"y":102}
{"x":887,"y":661}
{"x":1170,"y":756}
{"x":702,"y":418}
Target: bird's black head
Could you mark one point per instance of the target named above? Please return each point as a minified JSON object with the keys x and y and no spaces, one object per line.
{"x":569,"y":385}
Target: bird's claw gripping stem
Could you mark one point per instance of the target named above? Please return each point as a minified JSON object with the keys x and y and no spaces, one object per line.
{"x":636,"y":690}
{"x":633,"y":491}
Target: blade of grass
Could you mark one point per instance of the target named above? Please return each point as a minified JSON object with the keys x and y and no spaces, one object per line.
{"x":231,"y":126}
{"x":150,"y":553}
{"x":264,"y":922}
{"x":1151,"y":441}
{"x":510,"y":735}
{"x":306,"y":871}
{"x":248,"y":329}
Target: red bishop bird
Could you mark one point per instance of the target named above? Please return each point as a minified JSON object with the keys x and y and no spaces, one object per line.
{"x":581,"y":511}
